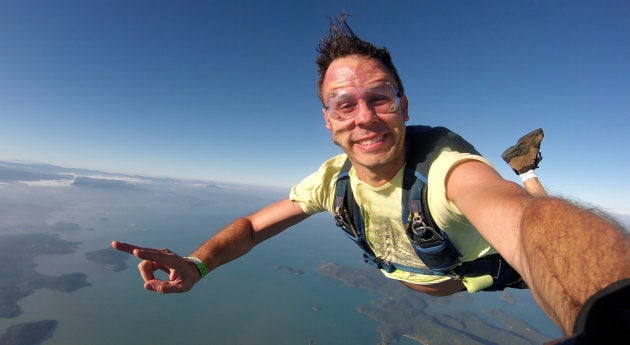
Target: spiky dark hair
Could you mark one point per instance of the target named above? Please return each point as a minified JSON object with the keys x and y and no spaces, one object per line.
{"x":341,"y":41}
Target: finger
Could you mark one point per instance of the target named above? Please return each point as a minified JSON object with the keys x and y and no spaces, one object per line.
{"x":125,"y":247}
{"x":162,"y":256}
{"x":129,"y":248}
{"x":147,"y":268}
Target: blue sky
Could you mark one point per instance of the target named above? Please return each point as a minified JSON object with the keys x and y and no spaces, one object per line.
{"x":226,"y":91}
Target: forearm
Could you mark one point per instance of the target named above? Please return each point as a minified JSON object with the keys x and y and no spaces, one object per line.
{"x":228,"y":244}
{"x":568,"y":254}
{"x":243,"y":234}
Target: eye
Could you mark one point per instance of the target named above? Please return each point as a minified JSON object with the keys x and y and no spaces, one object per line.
{"x":380,"y":100}
{"x":344,"y":104}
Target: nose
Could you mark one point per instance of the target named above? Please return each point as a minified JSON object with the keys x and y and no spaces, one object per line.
{"x":366,"y":113}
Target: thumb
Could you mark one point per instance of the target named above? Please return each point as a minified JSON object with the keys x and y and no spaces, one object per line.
{"x":156,"y":285}
{"x":149,"y":286}
{"x":164,"y":287}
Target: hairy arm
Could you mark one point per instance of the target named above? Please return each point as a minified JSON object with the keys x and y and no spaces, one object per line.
{"x":563,"y":252}
{"x":243,"y":234}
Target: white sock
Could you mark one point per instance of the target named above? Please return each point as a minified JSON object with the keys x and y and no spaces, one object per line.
{"x":528,"y":175}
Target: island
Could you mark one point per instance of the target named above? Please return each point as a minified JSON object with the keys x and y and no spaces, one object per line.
{"x":114,"y":259}
{"x":30,"y":333}
{"x":18,"y":277}
{"x":290,"y":270}
{"x":402,"y":313}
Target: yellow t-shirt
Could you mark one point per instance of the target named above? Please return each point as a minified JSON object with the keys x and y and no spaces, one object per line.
{"x":382,"y":213}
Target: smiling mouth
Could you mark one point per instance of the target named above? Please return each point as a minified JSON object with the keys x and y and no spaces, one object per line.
{"x":371,"y":141}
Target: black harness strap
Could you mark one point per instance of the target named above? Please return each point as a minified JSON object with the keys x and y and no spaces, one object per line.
{"x":349,"y":218}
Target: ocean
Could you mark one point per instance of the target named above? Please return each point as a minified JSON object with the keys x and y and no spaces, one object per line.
{"x":248,"y":301}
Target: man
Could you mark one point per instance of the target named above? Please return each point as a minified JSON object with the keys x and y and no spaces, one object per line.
{"x":565,"y":254}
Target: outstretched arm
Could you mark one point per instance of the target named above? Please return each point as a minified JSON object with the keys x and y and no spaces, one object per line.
{"x":563,"y":252}
{"x":243,"y":234}
{"x":231,"y":242}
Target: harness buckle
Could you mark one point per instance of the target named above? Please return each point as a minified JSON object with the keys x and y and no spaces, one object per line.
{"x":424,"y":235}
{"x":378,"y":262}
{"x":499,"y":268}
{"x":343,"y":223}
{"x":339,"y":221}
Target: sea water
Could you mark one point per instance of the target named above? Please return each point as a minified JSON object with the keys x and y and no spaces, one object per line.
{"x":248,"y":301}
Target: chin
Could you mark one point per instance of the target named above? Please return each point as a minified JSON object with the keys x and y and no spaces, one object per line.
{"x":373,"y":161}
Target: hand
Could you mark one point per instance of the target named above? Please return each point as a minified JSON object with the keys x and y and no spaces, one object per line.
{"x":182,"y":274}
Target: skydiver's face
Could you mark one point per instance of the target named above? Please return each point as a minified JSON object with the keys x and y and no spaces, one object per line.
{"x":373,"y":139}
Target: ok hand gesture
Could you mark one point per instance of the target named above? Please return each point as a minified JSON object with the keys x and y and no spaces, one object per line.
{"x":182,"y":274}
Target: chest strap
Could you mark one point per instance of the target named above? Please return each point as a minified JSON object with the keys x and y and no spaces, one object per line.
{"x":431,"y":245}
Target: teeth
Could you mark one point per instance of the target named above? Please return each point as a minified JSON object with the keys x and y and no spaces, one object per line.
{"x":371,"y":141}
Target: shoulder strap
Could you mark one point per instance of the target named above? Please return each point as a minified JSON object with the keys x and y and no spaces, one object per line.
{"x":349,"y":218}
{"x":430,"y":243}
{"x":423,"y":145}
{"x":347,"y":212}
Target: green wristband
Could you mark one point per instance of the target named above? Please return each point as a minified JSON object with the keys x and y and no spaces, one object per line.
{"x":203,"y":270}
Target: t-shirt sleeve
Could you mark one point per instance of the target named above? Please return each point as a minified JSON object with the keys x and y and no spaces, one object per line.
{"x":446,"y":215}
{"x":316,"y":193}
{"x":442,"y":209}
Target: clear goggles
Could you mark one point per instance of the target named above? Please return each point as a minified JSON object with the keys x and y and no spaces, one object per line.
{"x":343,"y":103}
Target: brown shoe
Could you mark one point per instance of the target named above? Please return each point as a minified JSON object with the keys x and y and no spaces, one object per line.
{"x":525,"y":155}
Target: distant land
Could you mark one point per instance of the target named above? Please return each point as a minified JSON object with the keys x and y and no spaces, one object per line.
{"x":402,"y":314}
{"x":30,"y":333}
{"x":290,"y":270}
{"x":24,"y":172}
{"x":116,"y":260}
{"x":18,"y":277}
{"x":21,"y":172}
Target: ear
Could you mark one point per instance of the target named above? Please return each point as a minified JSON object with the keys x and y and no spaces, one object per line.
{"x":326,"y":119}
{"x":404,"y":104}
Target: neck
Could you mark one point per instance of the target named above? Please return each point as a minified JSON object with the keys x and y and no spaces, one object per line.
{"x":379,"y":175}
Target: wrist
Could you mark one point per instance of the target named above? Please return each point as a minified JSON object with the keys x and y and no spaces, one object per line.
{"x":201,"y":267}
